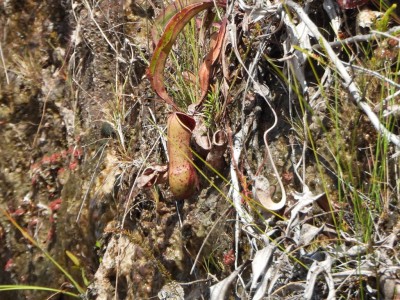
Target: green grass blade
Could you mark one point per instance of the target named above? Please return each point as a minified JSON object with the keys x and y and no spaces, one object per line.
{"x":16,"y":287}
{"x":55,"y":263}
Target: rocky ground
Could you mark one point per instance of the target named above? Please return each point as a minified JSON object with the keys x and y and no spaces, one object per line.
{"x":79,"y":123}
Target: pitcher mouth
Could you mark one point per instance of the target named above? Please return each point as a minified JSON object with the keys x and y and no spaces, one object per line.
{"x":186,"y":121}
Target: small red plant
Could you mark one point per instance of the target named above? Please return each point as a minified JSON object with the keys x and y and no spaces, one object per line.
{"x":229,"y":258}
{"x":55,"y":204}
{"x":349,"y":4}
{"x":9,"y":265}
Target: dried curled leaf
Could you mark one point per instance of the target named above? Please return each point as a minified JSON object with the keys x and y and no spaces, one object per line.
{"x":216,"y":156}
{"x":152,"y":175}
{"x":389,"y":286}
{"x":261,"y":262}
{"x":202,"y":144}
{"x":261,"y":192}
{"x":219,"y":291}
{"x":308,"y":233}
{"x":322,"y":267}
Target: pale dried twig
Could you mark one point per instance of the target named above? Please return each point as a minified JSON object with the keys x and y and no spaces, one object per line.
{"x":317,"y":268}
{"x":359,"y":38}
{"x":4,"y":64}
{"x":348,"y":80}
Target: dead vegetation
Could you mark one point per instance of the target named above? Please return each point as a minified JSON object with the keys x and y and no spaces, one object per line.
{"x":276,"y":176}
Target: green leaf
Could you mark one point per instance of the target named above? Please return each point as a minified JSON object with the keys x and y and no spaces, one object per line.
{"x":382,"y":24}
{"x":73,"y":258}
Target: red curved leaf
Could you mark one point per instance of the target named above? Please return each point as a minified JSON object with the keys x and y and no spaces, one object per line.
{"x":206,"y":67}
{"x":166,"y":15}
{"x":155,"y":72}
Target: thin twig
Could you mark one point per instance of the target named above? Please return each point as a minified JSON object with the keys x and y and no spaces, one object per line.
{"x":206,"y":239}
{"x":134,"y":189}
{"x":348,"y":80}
{"x":93,"y":177}
{"x":371,"y":72}
{"x":359,"y":38}
{"x":41,"y":119}
{"x":4,"y":64}
{"x":92,"y":14}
